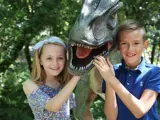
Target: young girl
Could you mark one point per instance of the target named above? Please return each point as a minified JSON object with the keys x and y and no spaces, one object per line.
{"x":50,"y":92}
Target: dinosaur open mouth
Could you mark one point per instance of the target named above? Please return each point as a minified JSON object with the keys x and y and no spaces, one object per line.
{"x":82,"y":52}
{"x":82,"y":55}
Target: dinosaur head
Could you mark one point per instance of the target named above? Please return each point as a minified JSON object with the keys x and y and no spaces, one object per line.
{"x":92,"y":34}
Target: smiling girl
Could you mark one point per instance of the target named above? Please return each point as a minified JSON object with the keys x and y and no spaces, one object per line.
{"x":49,"y":93}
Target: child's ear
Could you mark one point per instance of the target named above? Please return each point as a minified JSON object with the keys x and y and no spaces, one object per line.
{"x":146,"y":43}
{"x":118,"y":47}
{"x":40,"y":62}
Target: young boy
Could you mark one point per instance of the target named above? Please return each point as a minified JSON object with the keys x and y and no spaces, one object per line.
{"x":132,"y":87}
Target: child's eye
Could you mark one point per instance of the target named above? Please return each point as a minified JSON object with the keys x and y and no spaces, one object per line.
{"x":61,"y":58}
{"x":49,"y":58}
{"x":136,"y":43}
{"x":123,"y":43}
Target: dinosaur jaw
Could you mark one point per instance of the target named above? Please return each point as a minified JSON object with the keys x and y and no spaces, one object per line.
{"x":81,"y":57}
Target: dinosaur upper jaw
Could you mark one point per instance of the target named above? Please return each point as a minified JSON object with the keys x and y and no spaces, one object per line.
{"x":81,"y":56}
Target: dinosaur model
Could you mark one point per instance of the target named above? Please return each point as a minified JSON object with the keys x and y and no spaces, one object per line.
{"x":92,"y":34}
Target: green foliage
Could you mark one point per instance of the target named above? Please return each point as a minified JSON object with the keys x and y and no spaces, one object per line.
{"x":12,"y":98}
{"x":97,"y":109}
{"x":159,"y":106}
{"x":24,"y":22}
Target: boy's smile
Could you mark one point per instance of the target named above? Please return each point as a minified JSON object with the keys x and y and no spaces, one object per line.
{"x":131,"y":46}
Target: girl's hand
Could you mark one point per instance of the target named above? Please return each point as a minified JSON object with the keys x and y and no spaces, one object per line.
{"x":76,"y":77}
{"x":104,"y":66}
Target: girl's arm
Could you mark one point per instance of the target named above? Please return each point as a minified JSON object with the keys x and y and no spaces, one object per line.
{"x":138,"y":107}
{"x":110,"y":107}
{"x":55,"y":103}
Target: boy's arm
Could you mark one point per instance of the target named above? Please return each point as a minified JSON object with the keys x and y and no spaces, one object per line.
{"x":110,"y":107}
{"x":138,"y":107}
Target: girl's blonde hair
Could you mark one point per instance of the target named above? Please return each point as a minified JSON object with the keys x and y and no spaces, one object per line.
{"x":38,"y":73}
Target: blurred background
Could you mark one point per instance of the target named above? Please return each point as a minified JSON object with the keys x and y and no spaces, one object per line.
{"x":24,"y":22}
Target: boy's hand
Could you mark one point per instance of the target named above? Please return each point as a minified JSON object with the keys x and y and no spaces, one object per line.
{"x":104,"y":66}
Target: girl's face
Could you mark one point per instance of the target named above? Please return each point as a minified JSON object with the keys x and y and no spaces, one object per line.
{"x":52,"y":59}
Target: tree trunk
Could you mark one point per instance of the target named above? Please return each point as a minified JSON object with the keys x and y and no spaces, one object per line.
{"x":153,"y":53}
{"x":28,"y":57}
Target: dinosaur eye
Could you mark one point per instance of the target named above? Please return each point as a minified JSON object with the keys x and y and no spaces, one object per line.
{"x":113,"y":16}
{"x":112,"y":21}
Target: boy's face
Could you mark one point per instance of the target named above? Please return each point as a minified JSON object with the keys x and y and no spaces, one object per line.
{"x":131,"y":47}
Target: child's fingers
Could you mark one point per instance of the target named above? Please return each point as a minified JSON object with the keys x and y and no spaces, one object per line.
{"x":97,"y":65}
{"x":98,"y":62}
{"x":101,"y":59}
{"x":109,"y":63}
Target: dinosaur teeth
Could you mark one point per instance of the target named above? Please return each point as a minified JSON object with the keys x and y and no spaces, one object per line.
{"x":80,"y":68}
{"x":71,"y":65}
{"x":81,"y":45}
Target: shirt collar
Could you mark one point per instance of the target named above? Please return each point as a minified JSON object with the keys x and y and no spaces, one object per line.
{"x":140,"y":67}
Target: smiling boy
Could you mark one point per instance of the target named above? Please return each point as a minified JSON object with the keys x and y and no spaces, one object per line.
{"x":132,"y":87}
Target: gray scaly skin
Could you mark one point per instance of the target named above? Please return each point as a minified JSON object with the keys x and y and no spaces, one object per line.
{"x":92,"y":34}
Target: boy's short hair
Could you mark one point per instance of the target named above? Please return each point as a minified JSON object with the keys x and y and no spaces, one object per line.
{"x":130,"y":25}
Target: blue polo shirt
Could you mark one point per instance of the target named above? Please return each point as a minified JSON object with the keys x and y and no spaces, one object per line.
{"x":145,"y":76}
